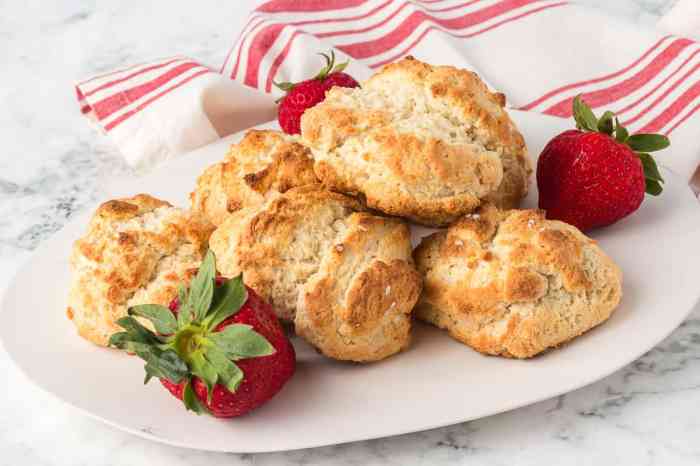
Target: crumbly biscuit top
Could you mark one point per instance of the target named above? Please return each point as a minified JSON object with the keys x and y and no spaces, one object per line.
{"x":127,"y":237}
{"x":358,"y":306}
{"x":263,"y":162}
{"x":270,"y":159}
{"x":451,"y":103}
{"x":374,"y":255}
{"x":519,"y":250}
{"x":420,"y":141}
{"x":513,"y":283}
{"x":279,"y":244}
{"x":135,"y":251}
{"x":344,"y":276}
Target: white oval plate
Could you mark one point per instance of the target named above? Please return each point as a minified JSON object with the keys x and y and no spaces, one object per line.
{"x":435,"y":383}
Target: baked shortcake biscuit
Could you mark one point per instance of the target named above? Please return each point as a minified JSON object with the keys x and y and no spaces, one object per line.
{"x":135,"y":251}
{"x":512,"y":283}
{"x":343,"y":276}
{"x":428,"y":143}
{"x":264,"y":161}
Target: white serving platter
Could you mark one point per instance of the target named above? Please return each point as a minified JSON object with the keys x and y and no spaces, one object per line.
{"x":435,"y":383}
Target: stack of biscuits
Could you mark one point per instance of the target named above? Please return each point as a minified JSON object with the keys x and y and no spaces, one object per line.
{"x":319,"y":226}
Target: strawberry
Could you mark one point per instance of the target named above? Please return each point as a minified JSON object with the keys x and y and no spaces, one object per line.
{"x":306,"y":94}
{"x":597,"y":174}
{"x":218,"y":347}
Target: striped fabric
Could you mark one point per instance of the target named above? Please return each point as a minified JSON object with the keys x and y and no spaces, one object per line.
{"x":541,"y":53}
{"x":114,"y":97}
{"x":376,"y":32}
{"x":656,"y":92}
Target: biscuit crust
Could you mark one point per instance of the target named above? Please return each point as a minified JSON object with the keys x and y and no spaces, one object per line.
{"x":136,"y":251}
{"x":514,"y":284}
{"x":428,"y":143}
{"x":358,"y":306}
{"x":263,"y":162}
{"x":343,"y":276}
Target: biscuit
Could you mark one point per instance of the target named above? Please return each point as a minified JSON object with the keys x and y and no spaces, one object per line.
{"x":135,"y":251}
{"x":428,"y":143}
{"x":513,"y":283}
{"x":262,"y":162}
{"x":343,"y":276}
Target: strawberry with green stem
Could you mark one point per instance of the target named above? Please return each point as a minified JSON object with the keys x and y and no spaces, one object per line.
{"x":598,"y":173}
{"x":306,"y":94}
{"x":218,"y":347}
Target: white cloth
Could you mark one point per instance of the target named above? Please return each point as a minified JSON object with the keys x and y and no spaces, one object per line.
{"x":683,"y":19}
{"x":540,"y":53}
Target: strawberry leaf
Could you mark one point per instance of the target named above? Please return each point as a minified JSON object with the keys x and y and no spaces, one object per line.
{"x":123,"y":341}
{"x":192,"y":403}
{"x":651,"y":171}
{"x":202,"y":287}
{"x":230,"y":375}
{"x":164,"y":364}
{"x":227,"y":301}
{"x":340,"y":67}
{"x":653,"y":187}
{"x":330,"y":60}
{"x":605,"y":124}
{"x":239,"y":341}
{"x":621,"y":133}
{"x":184,"y":313}
{"x":584,"y":116}
{"x":137,"y":339}
{"x":162,"y":318}
{"x":284,"y":86}
{"x":134,"y":332}
{"x":182,"y":294}
{"x":203,"y":369}
{"x":642,"y":142}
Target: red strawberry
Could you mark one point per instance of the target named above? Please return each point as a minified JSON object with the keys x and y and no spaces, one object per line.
{"x":219,"y":347}
{"x":597,"y":174}
{"x":306,"y":94}
{"x":339,"y":79}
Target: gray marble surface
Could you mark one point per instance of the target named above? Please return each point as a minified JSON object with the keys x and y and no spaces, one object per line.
{"x":52,"y":165}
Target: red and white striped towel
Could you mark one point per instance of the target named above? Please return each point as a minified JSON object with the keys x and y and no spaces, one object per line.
{"x":540,"y":53}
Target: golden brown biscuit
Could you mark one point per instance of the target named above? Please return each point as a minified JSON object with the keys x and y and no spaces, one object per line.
{"x":136,"y":251}
{"x":513,"y":283}
{"x":344,"y":276}
{"x":358,"y":305}
{"x":262,"y":162}
{"x":428,"y":143}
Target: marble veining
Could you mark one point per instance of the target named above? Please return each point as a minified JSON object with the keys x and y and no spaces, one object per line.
{"x":53,"y":164}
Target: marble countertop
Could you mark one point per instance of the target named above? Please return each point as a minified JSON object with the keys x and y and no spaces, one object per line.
{"x":52,"y":166}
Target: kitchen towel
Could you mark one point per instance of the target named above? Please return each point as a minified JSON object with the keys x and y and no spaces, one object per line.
{"x":540,"y":53}
{"x":682,"y":19}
